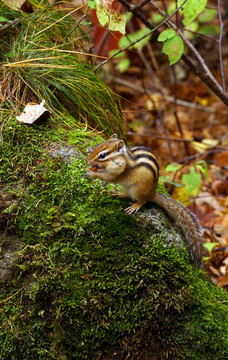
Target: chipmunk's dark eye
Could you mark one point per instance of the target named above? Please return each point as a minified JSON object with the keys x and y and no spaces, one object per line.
{"x":102,"y":155}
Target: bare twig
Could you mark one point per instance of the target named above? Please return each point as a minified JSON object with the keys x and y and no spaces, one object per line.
{"x":5,"y":300}
{"x":193,"y":49}
{"x":166,"y":133}
{"x":8,"y":26}
{"x":167,"y":138}
{"x":142,"y":37}
{"x":220,"y":46}
{"x":78,"y":23}
{"x":210,"y":82}
{"x":203,"y":155}
{"x":175,"y":111}
{"x":221,"y":148}
{"x":140,"y":5}
{"x":171,"y":99}
{"x":207,"y":37}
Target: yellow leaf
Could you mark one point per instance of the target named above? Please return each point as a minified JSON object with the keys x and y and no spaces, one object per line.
{"x":204,"y":145}
{"x":199,"y":146}
{"x":203,"y":101}
{"x":210,"y":142}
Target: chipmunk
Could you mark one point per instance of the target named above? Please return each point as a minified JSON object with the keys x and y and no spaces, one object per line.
{"x":136,"y":170}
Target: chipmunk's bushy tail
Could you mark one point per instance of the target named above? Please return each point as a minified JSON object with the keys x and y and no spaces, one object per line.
{"x":187,"y":222}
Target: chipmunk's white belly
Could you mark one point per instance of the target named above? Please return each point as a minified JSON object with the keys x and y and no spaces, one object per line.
{"x":130,"y":190}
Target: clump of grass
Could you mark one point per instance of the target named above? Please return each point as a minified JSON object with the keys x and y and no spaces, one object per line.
{"x":41,"y":58}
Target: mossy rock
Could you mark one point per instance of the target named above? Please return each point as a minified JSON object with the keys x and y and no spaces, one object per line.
{"x":89,"y":281}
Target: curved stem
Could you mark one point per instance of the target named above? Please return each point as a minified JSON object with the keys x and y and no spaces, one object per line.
{"x":205,"y":76}
{"x":220,"y":46}
{"x":142,"y":37}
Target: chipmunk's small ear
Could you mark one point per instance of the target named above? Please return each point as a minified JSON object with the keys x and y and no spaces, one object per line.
{"x":114,"y":137}
{"x":120,"y":145}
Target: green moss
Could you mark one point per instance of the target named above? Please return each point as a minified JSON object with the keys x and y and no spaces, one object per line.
{"x":91,"y":282}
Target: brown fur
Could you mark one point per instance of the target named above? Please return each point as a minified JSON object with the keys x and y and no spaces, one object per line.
{"x":136,"y":170}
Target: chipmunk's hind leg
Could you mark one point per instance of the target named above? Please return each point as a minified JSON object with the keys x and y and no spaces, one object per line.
{"x":134,"y":208}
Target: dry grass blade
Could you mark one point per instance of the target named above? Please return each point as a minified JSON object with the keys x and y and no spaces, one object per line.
{"x":65,"y":81}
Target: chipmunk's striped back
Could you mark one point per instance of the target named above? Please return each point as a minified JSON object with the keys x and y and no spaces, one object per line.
{"x":143,"y":156}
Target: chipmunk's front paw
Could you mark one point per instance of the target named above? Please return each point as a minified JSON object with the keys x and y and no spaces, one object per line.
{"x":117,"y":193}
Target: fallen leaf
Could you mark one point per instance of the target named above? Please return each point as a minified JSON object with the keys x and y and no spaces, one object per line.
{"x":205,"y":198}
{"x":33,"y":112}
{"x":14,"y":4}
{"x":223,"y":159}
{"x":220,"y":187}
{"x":223,"y":281}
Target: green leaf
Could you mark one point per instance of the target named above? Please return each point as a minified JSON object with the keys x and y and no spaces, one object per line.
{"x":4,"y":19}
{"x":173,"y":167}
{"x":202,"y":166}
{"x":210,"y":29}
{"x":210,"y":245}
{"x":123,"y":65}
{"x":208,"y":15}
{"x":205,"y":258}
{"x":194,"y":26}
{"x":157,"y":18}
{"x":107,"y":15}
{"x":174,"y":48}
{"x":174,"y":183}
{"x":165,"y":179}
{"x":120,"y":55}
{"x":191,"y":9}
{"x":167,"y":34}
{"x":117,"y":22}
{"x":126,"y":40}
{"x":91,"y":4}
{"x":192,"y":180}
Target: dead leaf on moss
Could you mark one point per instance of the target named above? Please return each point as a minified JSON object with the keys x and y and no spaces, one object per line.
{"x":14,"y":4}
{"x":33,"y":112}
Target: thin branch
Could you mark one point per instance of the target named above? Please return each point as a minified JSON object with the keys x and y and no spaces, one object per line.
{"x":220,"y":46}
{"x":207,"y":37}
{"x":7,"y":26}
{"x":78,"y":23}
{"x":166,"y":133}
{"x":157,"y":137}
{"x":139,"y":6}
{"x":217,"y":148}
{"x":194,"y":67}
{"x":171,"y":99}
{"x":169,"y":138}
{"x":5,"y":300}
{"x":211,"y":85}
{"x":193,"y":49}
{"x":141,"y":38}
{"x":202,"y":155}
{"x":176,"y":113}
